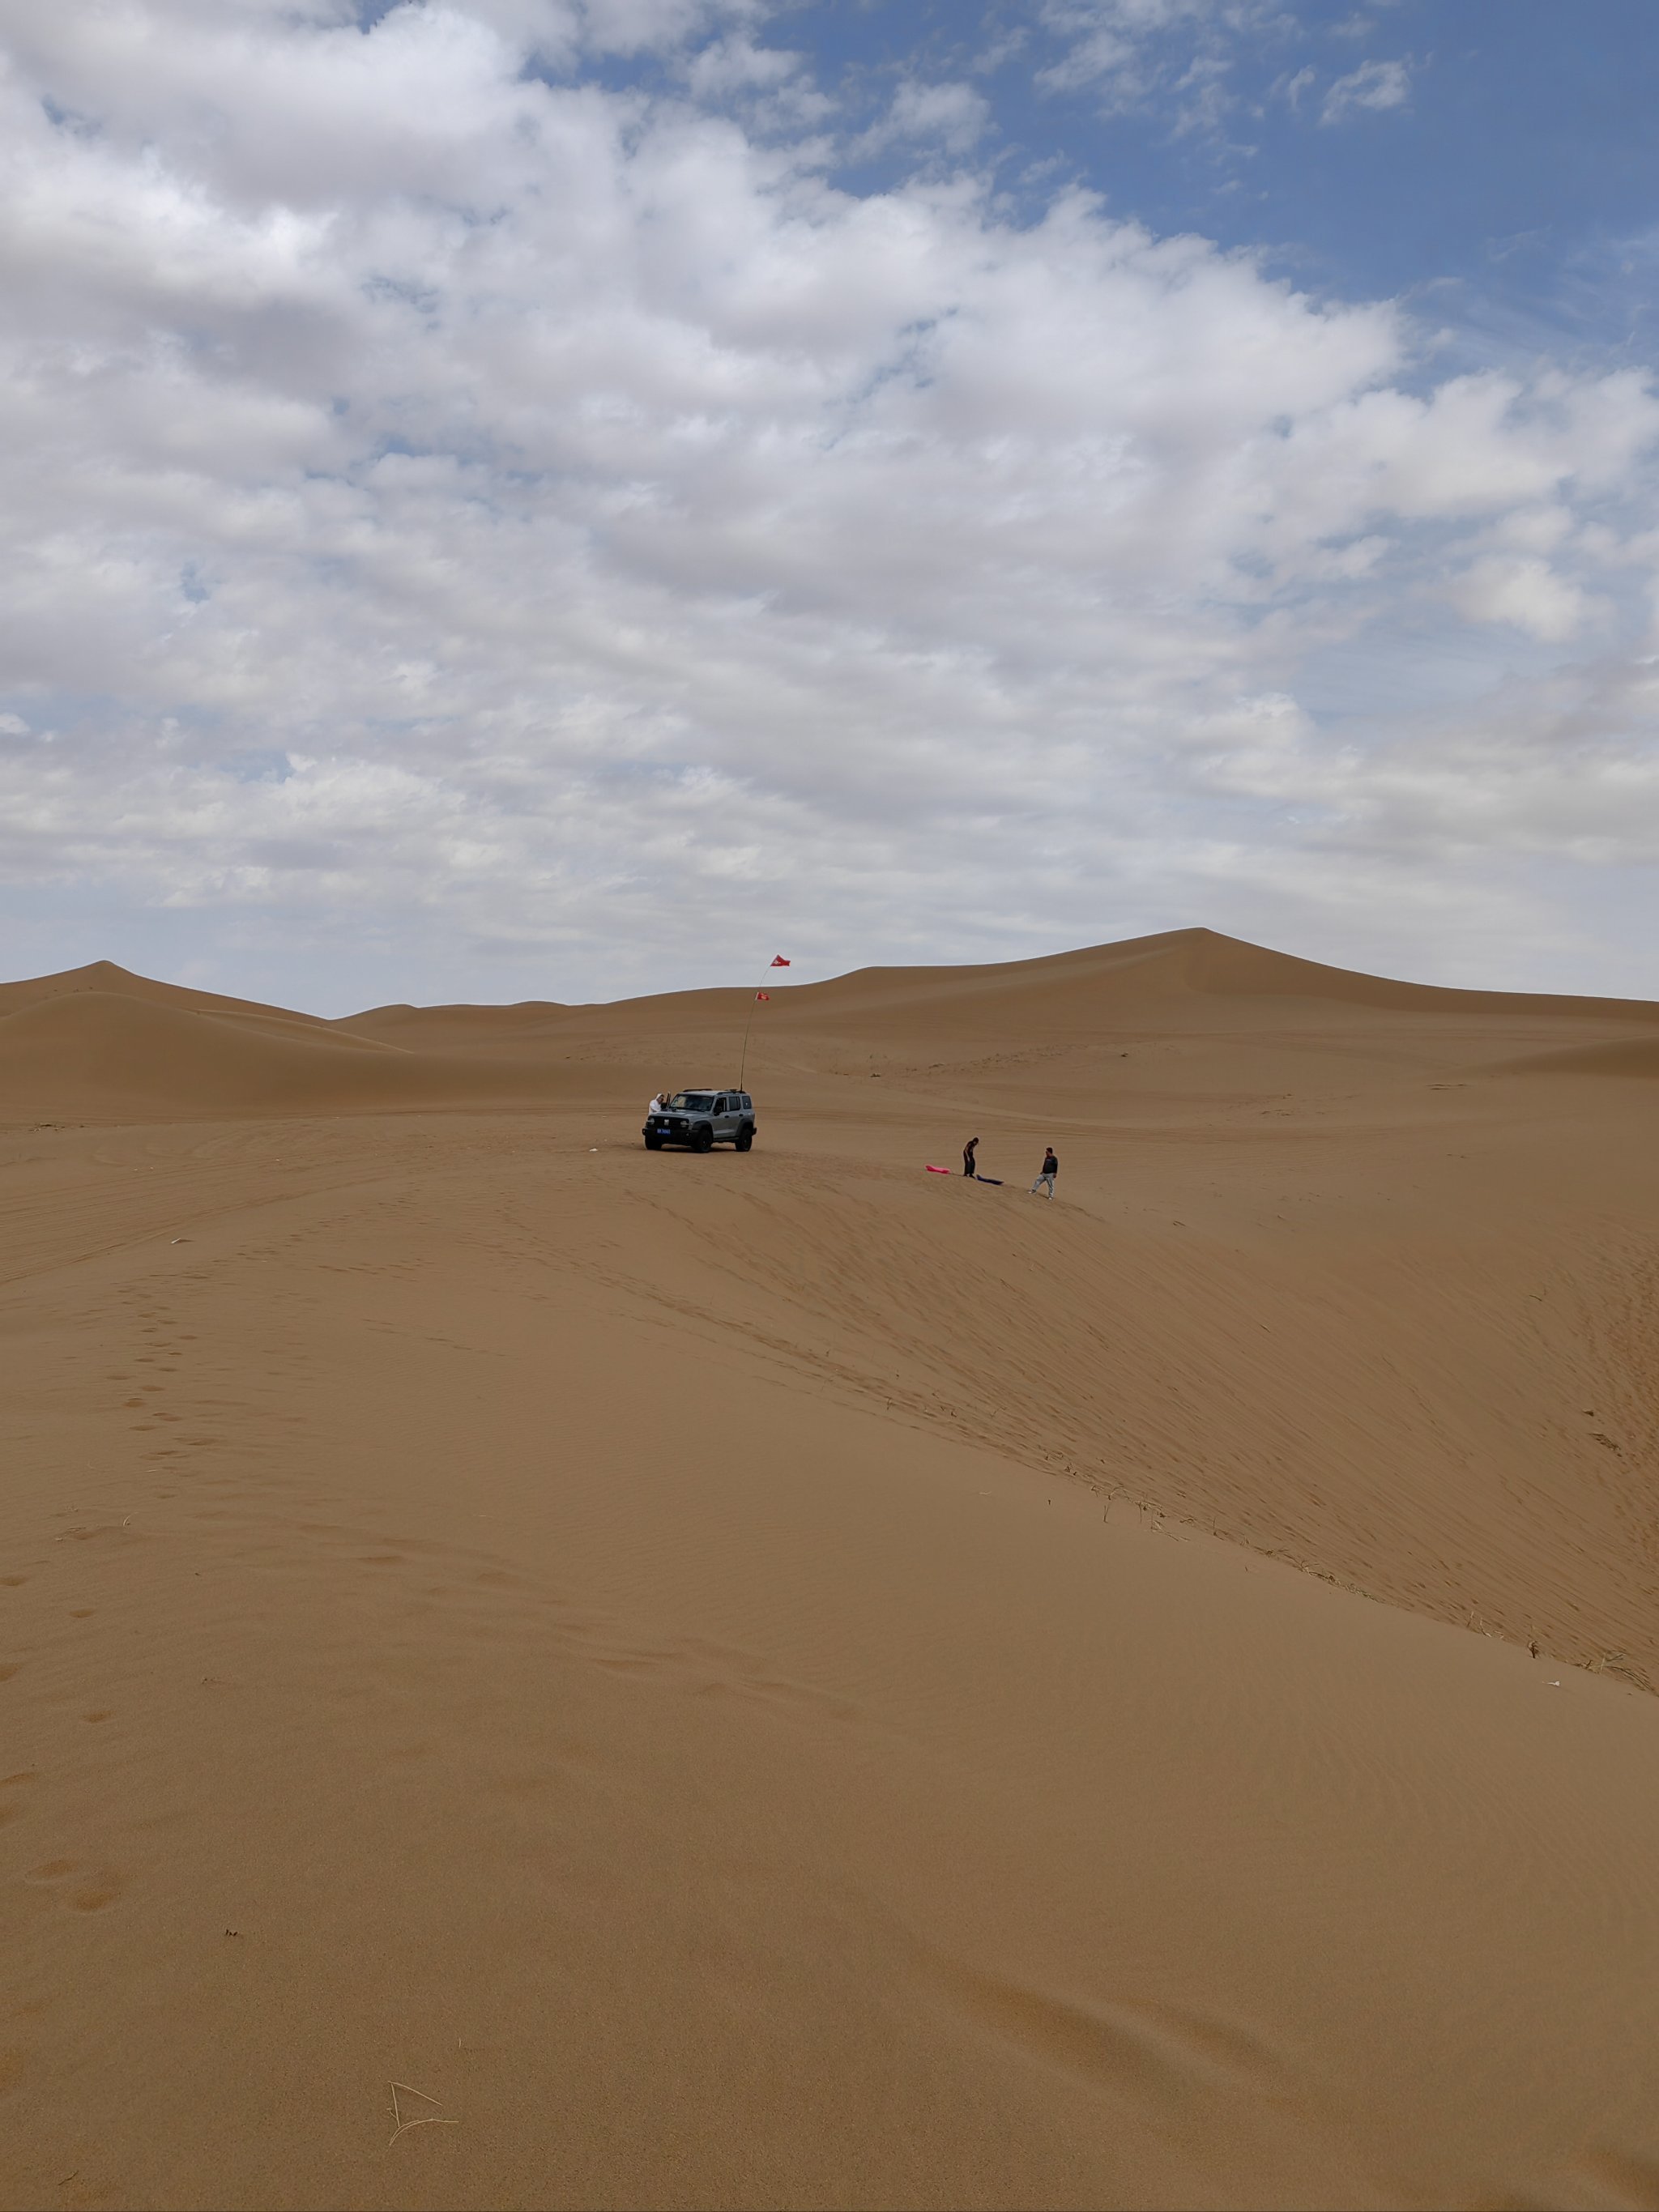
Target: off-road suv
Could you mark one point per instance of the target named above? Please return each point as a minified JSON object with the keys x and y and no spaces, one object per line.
{"x":702,"y":1120}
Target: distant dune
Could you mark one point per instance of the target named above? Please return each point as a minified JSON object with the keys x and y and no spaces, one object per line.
{"x":1184,"y":975}
{"x":104,"y":977}
{"x":1180,"y":964}
{"x":123,"y":1055}
{"x":97,"y":1043}
{"x":788,"y":1679}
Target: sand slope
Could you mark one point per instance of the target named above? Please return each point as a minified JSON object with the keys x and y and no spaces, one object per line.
{"x":1631,"y":1056}
{"x":106,"y":978}
{"x":1071,"y":994}
{"x":720,"y":1672}
{"x":112,"y":1055}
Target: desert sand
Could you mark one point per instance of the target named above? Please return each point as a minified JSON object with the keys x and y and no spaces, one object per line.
{"x":786,"y":1680}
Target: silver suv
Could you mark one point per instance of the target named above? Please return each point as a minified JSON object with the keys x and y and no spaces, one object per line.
{"x":702,"y":1119}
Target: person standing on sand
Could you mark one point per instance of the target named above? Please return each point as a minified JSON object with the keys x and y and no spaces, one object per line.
{"x":969,"y":1168}
{"x":1047,"y":1173}
{"x":658,"y":1105}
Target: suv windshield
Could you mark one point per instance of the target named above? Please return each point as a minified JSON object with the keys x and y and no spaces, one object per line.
{"x":694,"y":1102}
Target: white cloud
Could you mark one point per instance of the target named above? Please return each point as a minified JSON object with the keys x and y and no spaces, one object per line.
{"x":725,"y":66}
{"x":1526,"y":593}
{"x":951,"y":116}
{"x":1296,"y":86}
{"x":1122,"y":49}
{"x":442,"y":500}
{"x":1561,"y":768}
{"x":1194,"y":63}
{"x":1374,"y":85}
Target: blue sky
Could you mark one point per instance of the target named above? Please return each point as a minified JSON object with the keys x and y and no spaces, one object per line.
{"x":906,"y":483}
{"x":1518,"y":163}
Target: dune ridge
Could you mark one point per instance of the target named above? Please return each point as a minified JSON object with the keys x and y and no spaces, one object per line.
{"x":108,"y":978}
{"x":121,"y":1055}
{"x":1067,"y":991}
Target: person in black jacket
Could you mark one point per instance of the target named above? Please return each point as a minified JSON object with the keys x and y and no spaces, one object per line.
{"x":968,"y":1167}
{"x":1048,"y":1170}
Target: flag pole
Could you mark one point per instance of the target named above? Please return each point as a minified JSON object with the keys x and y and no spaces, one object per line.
{"x":742,"y":1058}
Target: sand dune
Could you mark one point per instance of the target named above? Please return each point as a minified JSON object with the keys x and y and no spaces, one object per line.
{"x":110,"y":1055}
{"x":460,"y":1028}
{"x":788,"y":1679}
{"x":1177,"y":977}
{"x":104,"y":977}
{"x":1076,"y":988}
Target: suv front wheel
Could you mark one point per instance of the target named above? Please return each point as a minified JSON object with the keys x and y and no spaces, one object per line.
{"x":704,"y":1140}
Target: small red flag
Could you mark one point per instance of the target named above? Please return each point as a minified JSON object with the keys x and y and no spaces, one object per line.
{"x":759,"y":995}
{"x":779,"y":961}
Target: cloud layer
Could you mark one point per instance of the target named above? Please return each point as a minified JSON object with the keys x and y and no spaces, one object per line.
{"x":456,"y":496}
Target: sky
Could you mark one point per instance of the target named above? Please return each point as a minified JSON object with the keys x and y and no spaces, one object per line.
{"x":567,"y":498}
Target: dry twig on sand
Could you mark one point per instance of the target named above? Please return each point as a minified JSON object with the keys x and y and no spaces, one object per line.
{"x":422,"y":2120}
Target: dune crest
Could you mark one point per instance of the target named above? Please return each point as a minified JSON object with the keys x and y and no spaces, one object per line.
{"x":126,"y":1056}
{"x":106,"y":978}
{"x":1181,"y":975}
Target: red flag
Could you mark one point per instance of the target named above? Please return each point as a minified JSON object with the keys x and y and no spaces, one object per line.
{"x":779,"y":961}
{"x":761,"y":996}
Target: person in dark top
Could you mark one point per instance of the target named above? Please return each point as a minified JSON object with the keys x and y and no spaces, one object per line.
{"x":1049,"y":1170}
{"x":969,"y":1168}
